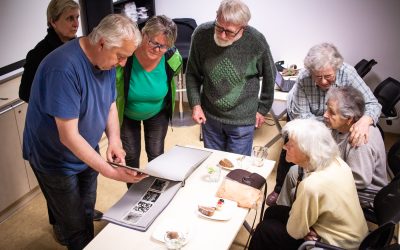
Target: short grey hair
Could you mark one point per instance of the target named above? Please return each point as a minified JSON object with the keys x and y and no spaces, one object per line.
{"x":161,"y":25}
{"x":322,"y":56}
{"x":234,"y":11}
{"x":57,"y":7}
{"x":314,"y":140}
{"x":350,"y":101}
{"x":114,"y":29}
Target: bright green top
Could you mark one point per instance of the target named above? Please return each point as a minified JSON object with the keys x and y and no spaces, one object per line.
{"x":147,"y":91}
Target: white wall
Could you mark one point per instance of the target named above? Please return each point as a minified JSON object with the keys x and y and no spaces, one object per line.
{"x":359,"y":28}
{"x":23,"y":23}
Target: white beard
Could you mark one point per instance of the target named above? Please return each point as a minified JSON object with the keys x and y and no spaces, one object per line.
{"x":221,"y":43}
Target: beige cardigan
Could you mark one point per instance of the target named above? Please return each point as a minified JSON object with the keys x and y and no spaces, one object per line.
{"x":327,"y":201}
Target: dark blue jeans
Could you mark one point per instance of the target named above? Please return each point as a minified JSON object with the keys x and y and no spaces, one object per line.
{"x":71,"y":200}
{"x":155,"y":130}
{"x":229,"y":138}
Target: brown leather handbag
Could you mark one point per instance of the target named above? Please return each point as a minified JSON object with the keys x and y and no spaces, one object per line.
{"x":243,"y":187}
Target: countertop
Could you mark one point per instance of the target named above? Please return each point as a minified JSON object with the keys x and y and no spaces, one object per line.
{"x":9,"y":90}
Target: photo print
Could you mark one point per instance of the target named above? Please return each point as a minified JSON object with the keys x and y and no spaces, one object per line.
{"x":132,"y":218}
{"x":142,"y":207}
{"x":151,"y":196}
{"x":159,"y":185}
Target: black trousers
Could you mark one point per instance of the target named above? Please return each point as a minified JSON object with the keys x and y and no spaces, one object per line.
{"x":281,"y":171}
{"x":283,"y":167}
{"x":271,"y":233}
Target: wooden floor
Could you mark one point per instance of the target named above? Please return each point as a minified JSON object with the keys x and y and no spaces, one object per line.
{"x":28,"y":228}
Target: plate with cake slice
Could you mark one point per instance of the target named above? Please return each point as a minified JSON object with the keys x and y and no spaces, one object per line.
{"x":233,"y":162}
{"x":228,"y":164}
{"x":216,"y":208}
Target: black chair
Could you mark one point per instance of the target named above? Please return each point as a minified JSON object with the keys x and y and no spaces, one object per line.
{"x":393,"y":158}
{"x":364,"y":66}
{"x":388,"y":95}
{"x":185,"y":26}
{"x":387,"y":211}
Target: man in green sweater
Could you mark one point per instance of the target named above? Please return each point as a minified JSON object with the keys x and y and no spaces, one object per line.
{"x":226,"y":62}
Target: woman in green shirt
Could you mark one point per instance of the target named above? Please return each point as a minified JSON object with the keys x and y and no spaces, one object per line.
{"x":146,"y":90}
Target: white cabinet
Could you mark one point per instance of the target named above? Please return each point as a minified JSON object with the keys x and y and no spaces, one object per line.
{"x":13,"y":178}
{"x":16,"y":177}
{"x":20,"y":114}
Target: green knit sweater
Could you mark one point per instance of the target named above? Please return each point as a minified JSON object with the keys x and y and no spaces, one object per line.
{"x":230,"y":76}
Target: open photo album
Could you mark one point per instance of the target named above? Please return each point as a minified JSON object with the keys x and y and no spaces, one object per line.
{"x":144,"y":201}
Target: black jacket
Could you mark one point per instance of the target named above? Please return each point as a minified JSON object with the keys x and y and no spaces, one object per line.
{"x":34,"y":58}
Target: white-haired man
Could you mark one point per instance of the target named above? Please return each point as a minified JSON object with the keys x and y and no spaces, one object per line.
{"x":227,"y":58}
{"x":72,"y":103}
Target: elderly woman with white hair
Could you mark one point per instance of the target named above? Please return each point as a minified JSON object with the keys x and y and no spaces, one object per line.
{"x":326,"y":206}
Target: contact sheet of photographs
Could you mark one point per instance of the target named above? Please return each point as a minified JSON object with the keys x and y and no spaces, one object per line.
{"x":146,"y":202}
{"x":142,"y":203}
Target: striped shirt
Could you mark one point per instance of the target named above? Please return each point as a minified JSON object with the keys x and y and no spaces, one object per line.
{"x":307,"y":100}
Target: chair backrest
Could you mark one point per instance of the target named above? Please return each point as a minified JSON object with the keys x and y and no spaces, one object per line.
{"x":387,"y":215}
{"x":185,"y":26}
{"x":387,"y":203}
{"x":364,"y":66}
{"x":379,"y":238}
{"x":393,"y":158}
{"x":388,"y":94}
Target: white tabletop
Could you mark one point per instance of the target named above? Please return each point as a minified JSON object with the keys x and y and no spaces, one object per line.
{"x":204,"y":233}
{"x":280,"y":95}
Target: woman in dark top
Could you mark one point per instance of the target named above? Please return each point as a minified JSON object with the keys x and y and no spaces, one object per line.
{"x":63,"y":23}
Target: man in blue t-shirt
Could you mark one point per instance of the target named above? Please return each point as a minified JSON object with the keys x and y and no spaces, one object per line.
{"x":72,"y":104}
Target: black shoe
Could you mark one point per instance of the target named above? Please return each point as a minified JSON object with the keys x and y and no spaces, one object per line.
{"x":58,"y":235}
{"x":97,"y":215}
{"x":272,"y":198}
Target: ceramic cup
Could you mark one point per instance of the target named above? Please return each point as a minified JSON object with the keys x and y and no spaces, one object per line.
{"x":174,"y":240}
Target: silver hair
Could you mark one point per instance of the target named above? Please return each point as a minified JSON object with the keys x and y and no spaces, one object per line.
{"x":234,"y":11}
{"x":322,"y":56}
{"x":114,"y":29}
{"x":350,"y":101}
{"x":161,"y":25}
{"x":57,"y":7}
{"x":314,"y":140}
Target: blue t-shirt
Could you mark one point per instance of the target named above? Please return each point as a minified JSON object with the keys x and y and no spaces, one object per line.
{"x":68,"y":86}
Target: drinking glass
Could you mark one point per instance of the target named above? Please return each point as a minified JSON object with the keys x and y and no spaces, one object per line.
{"x":258,"y":155}
{"x":213,"y":173}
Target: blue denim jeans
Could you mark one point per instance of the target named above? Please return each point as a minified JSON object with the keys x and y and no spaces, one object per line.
{"x":229,"y":138}
{"x":71,"y":200}
{"x":155,"y":130}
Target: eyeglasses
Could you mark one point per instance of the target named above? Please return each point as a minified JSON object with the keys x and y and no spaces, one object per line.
{"x":156,"y":46}
{"x":228,"y":33}
{"x":326,"y":77}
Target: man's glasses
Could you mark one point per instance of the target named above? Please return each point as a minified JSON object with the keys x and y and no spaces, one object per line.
{"x":228,"y":33}
{"x":326,"y":77}
{"x":156,"y":46}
